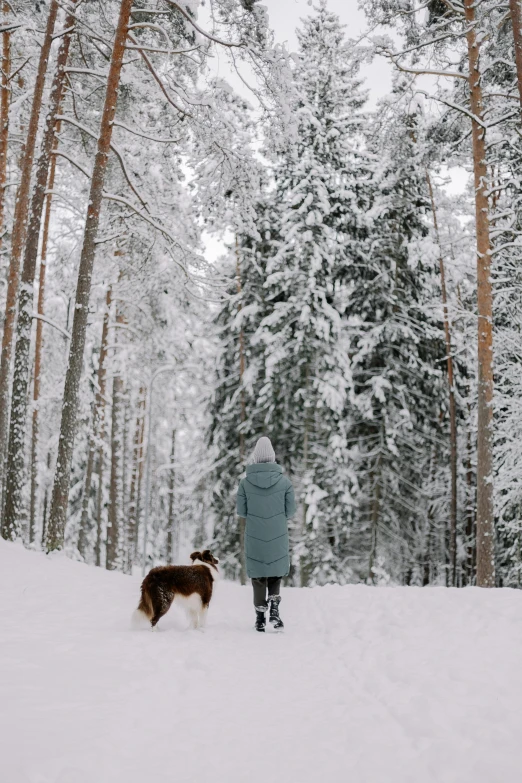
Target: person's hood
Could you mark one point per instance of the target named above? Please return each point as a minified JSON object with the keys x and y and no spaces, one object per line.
{"x":264,"y":474}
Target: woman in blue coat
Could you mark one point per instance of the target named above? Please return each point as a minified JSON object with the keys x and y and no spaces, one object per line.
{"x":265,"y":498}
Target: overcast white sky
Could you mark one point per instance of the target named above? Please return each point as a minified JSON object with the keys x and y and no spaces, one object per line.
{"x":285,"y":16}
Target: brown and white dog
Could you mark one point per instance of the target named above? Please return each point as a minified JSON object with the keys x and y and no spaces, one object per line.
{"x":189,"y":587}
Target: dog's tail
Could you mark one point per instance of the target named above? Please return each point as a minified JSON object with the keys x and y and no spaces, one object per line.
{"x":144,"y":613}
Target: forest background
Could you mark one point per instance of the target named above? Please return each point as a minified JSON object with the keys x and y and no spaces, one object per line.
{"x":349,"y":314}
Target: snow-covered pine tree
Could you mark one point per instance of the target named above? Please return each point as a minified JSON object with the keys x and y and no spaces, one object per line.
{"x":397,"y":349}
{"x":237,"y":417}
{"x":321,"y":189}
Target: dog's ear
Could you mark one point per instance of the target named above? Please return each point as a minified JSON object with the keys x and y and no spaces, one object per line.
{"x":206,"y":556}
{"x":195,"y":556}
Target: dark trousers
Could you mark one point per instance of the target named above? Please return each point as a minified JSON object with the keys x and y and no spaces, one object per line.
{"x":261,"y":585}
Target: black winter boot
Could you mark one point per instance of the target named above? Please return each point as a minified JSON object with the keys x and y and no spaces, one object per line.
{"x":260,"y":618}
{"x":274,"y":601}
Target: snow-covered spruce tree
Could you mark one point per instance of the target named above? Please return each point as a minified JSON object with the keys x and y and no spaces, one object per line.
{"x":322,"y":194}
{"x":397,"y":350}
{"x":237,"y":416}
{"x":455,"y":41}
{"x":232,"y":203}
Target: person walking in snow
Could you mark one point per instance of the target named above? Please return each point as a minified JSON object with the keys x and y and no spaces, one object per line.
{"x":265,"y":498}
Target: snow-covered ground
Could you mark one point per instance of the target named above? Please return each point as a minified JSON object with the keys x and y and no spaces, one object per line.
{"x":369,"y":685}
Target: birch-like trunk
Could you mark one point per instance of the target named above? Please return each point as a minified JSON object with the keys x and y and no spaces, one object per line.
{"x":99,"y":500}
{"x":18,"y":241}
{"x":38,"y":347}
{"x":136,"y":474}
{"x":304,"y":568}
{"x":115,"y":486}
{"x":60,"y":494}
{"x":124,"y":532}
{"x":485,"y":508}
{"x":172,"y":530}
{"x":376,"y":510}
{"x":45,"y":504}
{"x":97,"y":423}
{"x":15,"y":469}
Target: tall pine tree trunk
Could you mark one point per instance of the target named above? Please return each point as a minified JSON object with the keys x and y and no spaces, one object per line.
{"x":38,"y":347}
{"x":516,"y":20}
{"x":74,"y":370}
{"x":171,"y":522}
{"x":97,"y":423}
{"x":485,"y":508}
{"x":4,"y":114}
{"x":451,"y":395}
{"x":18,"y":241}
{"x":15,"y":471}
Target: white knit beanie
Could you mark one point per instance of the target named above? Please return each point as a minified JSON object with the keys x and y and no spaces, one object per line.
{"x":264,"y":451}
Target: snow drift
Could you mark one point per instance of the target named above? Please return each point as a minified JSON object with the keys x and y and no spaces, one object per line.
{"x":374,"y":685}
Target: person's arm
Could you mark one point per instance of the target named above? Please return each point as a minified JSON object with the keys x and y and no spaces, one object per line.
{"x":241,"y":502}
{"x":290,"y":507}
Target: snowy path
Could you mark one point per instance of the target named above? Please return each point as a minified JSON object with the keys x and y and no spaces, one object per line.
{"x":367,"y":685}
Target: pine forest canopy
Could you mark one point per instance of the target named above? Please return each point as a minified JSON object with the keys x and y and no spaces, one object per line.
{"x":361,"y":315}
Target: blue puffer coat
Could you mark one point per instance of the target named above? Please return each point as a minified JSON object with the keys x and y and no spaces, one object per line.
{"x":265,"y":498}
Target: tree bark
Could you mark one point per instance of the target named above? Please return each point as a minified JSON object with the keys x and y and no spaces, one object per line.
{"x":15,"y":471}
{"x":72,"y":381}
{"x":18,"y":240}
{"x":485,"y":508}
{"x":124,"y":534}
{"x":102,"y":384}
{"x":38,"y":349}
{"x":135,"y":494}
{"x":115,"y":488}
{"x":97,"y":424}
{"x":451,"y":394}
{"x":429,"y":557}
{"x":470,"y":512}
{"x":242,"y":522}
{"x":45,"y":503}
{"x":376,"y":509}
{"x":171,"y":523}
{"x":516,"y":20}
{"x":99,"y":502}
{"x":304,"y":566}
{"x":4,"y":114}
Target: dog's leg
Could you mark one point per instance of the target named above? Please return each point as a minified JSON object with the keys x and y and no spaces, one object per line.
{"x":161,"y":602}
{"x":194,"y":615}
{"x":203,"y":617}
{"x":155,"y":620}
